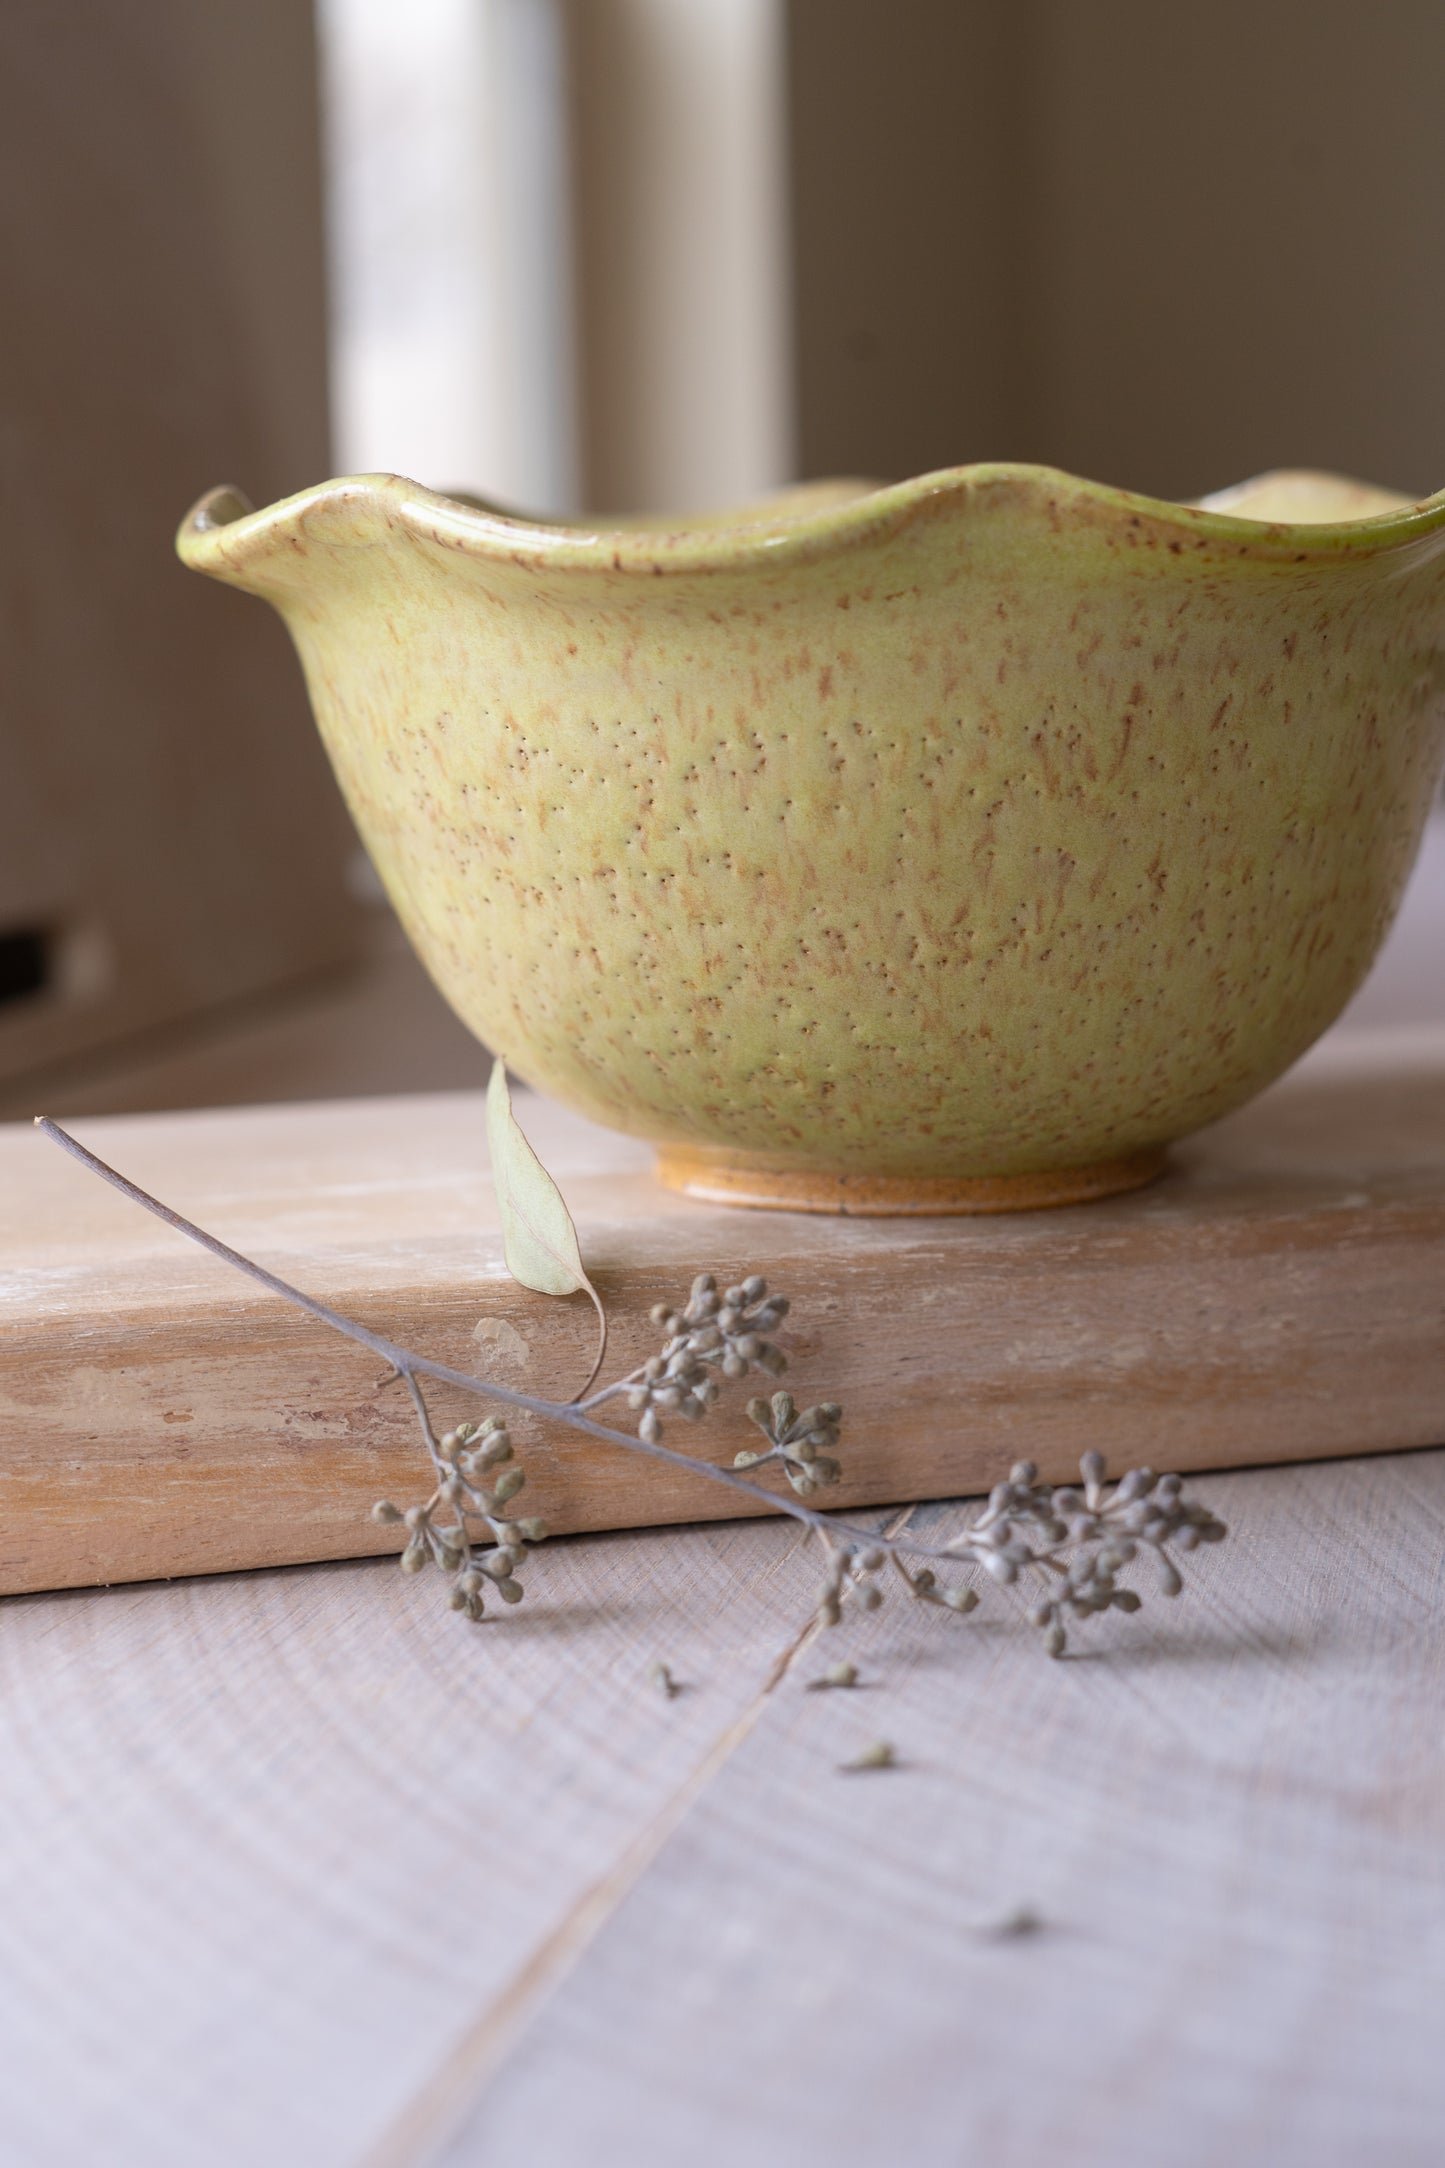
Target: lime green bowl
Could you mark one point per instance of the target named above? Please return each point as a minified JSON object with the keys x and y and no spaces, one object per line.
{"x":944,"y":847}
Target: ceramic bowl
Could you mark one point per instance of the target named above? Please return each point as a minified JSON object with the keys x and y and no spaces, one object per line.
{"x":943,"y":847}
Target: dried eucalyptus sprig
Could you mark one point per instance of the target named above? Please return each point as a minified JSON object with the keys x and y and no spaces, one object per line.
{"x":441,"y":1530}
{"x":726,"y":1332}
{"x":1070,"y":1543}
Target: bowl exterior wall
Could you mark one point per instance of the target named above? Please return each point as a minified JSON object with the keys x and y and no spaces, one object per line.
{"x":1018,"y":833}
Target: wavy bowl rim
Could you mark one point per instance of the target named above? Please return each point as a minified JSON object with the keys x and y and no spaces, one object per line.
{"x":222,"y":531}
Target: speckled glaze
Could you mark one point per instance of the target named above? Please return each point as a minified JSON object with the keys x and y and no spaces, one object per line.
{"x":938,"y":847}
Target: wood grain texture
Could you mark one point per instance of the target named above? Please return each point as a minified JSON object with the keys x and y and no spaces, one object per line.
{"x":1229,"y":1823}
{"x":268,"y":1838}
{"x":1278,"y":1296}
{"x":297,"y":1868}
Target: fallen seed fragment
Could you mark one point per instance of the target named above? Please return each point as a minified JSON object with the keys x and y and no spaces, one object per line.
{"x":1011,"y":1926}
{"x":835,"y":1675}
{"x":877,"y":1756}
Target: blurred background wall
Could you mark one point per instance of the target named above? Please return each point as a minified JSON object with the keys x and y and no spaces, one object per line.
{"x":1160,"y":244}
{"x":170,"y":840}
{"x":610,"y":253}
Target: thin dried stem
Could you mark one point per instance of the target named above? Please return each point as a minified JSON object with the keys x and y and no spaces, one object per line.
{"x":596,"y":1371}
{"x":409,"y":1365}
{"x":1074,"y":1540}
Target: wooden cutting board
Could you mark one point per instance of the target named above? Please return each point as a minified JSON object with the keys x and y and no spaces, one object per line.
{"x":1279,"y":1295}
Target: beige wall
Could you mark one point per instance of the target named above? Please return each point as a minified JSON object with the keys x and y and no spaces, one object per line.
{"x":1163,"y":244}
{"x":166,"y":816}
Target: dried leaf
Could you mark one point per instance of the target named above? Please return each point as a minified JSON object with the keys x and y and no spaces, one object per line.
{"x":539,"y":1240}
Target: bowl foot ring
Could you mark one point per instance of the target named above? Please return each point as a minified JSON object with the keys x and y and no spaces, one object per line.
{"x":716,"y":1178}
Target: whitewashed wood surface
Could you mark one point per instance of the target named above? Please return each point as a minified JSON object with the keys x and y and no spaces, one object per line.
{"x":298,"y":1869}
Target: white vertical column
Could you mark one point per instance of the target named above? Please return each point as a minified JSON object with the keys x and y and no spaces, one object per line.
{"x":450,"y":248}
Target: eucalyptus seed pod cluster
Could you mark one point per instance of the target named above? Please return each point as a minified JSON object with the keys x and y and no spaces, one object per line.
{"x":800,"y":1441}
{"x":1017,"y":1511}
{"x":850,"y":1576}
{"x":474,"y":1483}
{"x":923,"y":1583}
{"x":1090,"y":1588}
{"x":851,"y":1572}
{"x":1086,"y":1537}
{"x":714,"y":1331}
